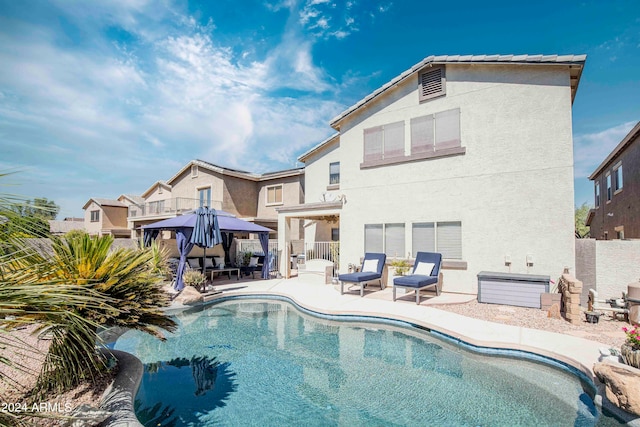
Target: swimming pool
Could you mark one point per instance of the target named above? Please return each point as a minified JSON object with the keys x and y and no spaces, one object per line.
{"x":265,"y":362}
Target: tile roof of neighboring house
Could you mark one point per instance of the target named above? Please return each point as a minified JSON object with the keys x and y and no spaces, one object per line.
{"x":303,"y":157}
{"x":631,"y":136}
{"x":575,"y":61}
{"x":133,"y":198}
{"x":104,"y":202}
{"x":222,"y":170}
{"x":63,"y":227}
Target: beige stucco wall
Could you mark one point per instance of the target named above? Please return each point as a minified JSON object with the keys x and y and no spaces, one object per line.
{"x":512,"y":190}
{"x":317,"y":172}
{"x":240,"y":197}
{"x":292,"y":194}
{"x":92,"y":228}
{"x":158,"y":193}
{"x":184,"y":186}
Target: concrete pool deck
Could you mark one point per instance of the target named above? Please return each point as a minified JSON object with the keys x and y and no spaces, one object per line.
{"x":575,"y":351}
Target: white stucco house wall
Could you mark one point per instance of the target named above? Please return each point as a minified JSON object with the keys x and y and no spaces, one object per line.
{"x":470,"y":156}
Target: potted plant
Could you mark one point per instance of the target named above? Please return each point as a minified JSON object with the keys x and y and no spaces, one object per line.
{"x":630,"y":349}
{"x":400,"y":266}
{"x":246,"y":258}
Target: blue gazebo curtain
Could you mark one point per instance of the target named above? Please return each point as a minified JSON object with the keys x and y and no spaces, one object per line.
{"x":149,"y":236}
{"x":227,"y":238}
{"x":264,"y":242}
{"x":183,"y":237}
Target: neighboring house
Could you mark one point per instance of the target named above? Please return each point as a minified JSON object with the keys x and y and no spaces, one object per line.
{"x":616,"y":183}
{"x":105,"y":216}
{"x":60,"y":228}
{"x":252,"y":197}
{"x":470,"y":156}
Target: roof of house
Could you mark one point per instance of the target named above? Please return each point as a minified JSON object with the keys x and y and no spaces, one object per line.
{"x":222,"y":170}
{"x":135,"y":199}
{"x":305,"y":156}
{"x":104,"y":202}
{"x":626,"y":141}
{"x":576,"y":63}
{"x":150,"y":189}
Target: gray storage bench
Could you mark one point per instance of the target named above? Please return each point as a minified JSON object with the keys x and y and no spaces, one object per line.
{"x":511,"y":289}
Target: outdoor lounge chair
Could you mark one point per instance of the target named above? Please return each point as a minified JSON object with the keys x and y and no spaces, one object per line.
{"x":424,"y":274}
{"x":371,"y":270}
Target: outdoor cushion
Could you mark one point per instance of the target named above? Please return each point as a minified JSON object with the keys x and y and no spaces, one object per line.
{"x":194,"y":263}
{"x":208,"y":263}
{"x":362,"y":276}
{"x":424,"y":268}
{"x":219,"y":261}
{"x":415,"y":280}
{"x":253,"y":262}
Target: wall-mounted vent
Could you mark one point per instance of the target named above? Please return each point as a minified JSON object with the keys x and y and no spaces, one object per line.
{"x":432,"y":83}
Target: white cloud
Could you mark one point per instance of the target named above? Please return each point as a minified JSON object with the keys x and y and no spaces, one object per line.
{"x":591,"y":149}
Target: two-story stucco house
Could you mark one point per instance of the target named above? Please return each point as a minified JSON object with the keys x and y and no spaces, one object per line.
{"x":105,"y":216}
{"x":616,"y":185}
{"x":250,"y":196}
{"x":469,"y":156}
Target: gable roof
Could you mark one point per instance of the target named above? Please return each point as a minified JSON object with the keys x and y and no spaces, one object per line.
{"x":318,"y":148}
{"x":134,"y":199}
{"x":576,"y":63}
{"x":150,"y":189}
{"x":626,"y":141}
{"x":104,"y":202}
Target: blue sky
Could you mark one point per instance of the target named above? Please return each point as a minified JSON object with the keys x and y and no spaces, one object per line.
{"x":101,"y":98}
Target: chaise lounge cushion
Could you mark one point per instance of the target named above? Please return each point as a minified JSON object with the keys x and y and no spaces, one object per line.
{"x":415,"y":280}
{"x":362,"y":276}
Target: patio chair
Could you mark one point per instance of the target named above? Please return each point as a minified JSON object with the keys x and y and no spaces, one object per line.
{"x":425,"y":273}
{"x":371,"y":270}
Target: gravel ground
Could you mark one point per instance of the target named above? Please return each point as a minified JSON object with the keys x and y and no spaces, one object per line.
{"x":607,"y":331}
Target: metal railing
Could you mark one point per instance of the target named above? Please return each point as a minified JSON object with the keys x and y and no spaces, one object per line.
{"x":167,"y":207}
{"x":323,"y":250}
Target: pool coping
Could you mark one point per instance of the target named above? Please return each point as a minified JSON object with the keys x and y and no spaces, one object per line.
{"x":130,"y":369}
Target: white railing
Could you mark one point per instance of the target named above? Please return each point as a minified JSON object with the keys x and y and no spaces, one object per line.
{"x":167,"y":207}
{"x":323,"y":250}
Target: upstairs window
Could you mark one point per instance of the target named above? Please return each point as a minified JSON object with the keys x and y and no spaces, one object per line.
{"x":95,"y":216}
{"x":608,"y":187}
{"x":597,"y":192}
{"x":334,"y":173}
{"x":431,"y":83}
{"x":204,"y":197}
{"x":435,"y":132}
{"x":384,"y":142}
{"x":274,"y":195}
{"x":617,"y":177}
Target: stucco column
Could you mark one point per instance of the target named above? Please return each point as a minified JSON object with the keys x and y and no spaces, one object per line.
{"x":284,"y":236}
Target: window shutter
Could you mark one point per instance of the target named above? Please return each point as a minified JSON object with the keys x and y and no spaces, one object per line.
{"x":394,"y":140}
{"x":422,"y":134}
{"x":450,"y":239}
{"x":432,"y":83}
{"x":373,"y":143}
{"x":394,"y":240}
{"x":373,"y":238}
{"x":448,"y":129}
{"x":423,"y":237}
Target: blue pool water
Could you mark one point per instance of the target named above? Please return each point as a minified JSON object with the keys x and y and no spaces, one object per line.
{"x":265,"y":363}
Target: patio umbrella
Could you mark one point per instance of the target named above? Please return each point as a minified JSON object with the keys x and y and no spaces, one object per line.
{"x":206,"y":232}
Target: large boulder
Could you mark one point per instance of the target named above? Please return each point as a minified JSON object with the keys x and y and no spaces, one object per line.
{"x":622,"y":385}
{"x":189,"y":296}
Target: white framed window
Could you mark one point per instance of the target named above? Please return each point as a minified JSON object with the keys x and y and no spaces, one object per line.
{"x":597,"y":193}
{"x":617,"y":178}
{"x":609,"y":192}
{"x":95,"y":216}
{"x":194,"y":171}
{"x":334,"y":173}
{"x":432,"y":83}
{"x":385,"y":238}
{"x":442,"y":237}
{"x":274,"y":195}
{"x":204,"y":197}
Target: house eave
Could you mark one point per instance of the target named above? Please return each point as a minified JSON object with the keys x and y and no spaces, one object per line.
{"x":627,"y":140}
